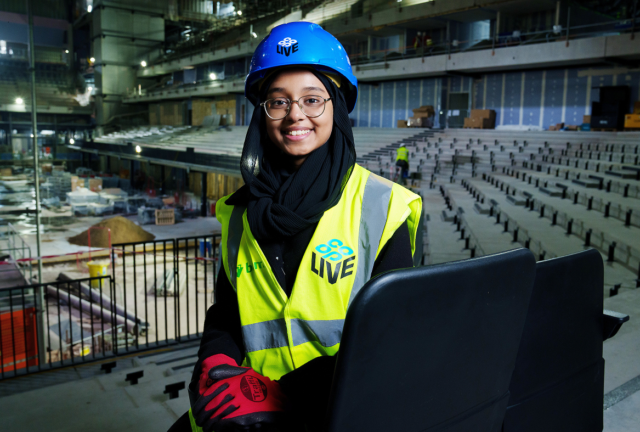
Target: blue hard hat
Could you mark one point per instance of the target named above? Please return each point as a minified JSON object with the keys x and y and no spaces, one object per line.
{"x":301,"y":43}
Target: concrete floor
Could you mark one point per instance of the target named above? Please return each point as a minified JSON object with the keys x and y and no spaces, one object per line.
{"x":144,"y":407}
{"x":110,"y":404}
{"x":97,"y":401}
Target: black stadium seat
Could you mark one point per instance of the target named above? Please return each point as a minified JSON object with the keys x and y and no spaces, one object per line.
{"x":558,"y":381}
{"x":433,"y":348}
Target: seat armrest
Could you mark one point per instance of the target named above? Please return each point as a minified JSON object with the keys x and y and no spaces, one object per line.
{"x":612,"y":321}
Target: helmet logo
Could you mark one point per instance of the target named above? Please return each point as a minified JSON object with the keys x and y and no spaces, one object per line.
{"x":287,"y":46}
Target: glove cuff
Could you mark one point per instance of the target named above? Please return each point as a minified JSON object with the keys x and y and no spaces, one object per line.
{"x":217,"y":360}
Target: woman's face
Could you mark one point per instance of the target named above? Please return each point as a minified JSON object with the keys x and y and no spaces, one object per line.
{"x":297,"y":135}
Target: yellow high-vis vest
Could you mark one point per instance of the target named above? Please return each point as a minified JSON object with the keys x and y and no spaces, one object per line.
{"x":282,"y":333}
{"x":402,"y":154}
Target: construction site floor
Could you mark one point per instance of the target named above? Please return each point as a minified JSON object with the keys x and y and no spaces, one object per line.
{"x":57,"y":229}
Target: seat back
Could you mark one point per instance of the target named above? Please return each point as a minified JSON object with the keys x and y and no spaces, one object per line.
{"x":432,"y":348}
{"x":558,"y":381}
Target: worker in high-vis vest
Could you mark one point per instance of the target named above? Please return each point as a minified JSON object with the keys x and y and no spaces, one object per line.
{"x":299,"y":240}
{"x":402,"y":161}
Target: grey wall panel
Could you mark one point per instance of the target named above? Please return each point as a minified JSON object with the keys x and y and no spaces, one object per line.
{"x":400,"y":102}
{"x":376,"y":106}
{"x":532,"y":98}
{"x":512,"y":98}
{"x":552,"y":113}
{"x":387,"y":104}
{"x":576,"y":98}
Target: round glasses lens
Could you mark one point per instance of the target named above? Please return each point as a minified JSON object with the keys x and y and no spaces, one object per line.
{"x":312,"y":106}
{"x":278,"y":108}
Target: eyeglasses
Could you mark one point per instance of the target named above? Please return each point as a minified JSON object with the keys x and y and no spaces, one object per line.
{"x":311,"y":106}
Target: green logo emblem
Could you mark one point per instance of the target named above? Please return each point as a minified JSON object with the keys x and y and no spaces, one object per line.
{"x":336,"y":252}
{"x":249,"y":267}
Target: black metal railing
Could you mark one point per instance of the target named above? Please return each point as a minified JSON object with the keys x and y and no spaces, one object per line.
{"x":158,"y":294}
{"x":57,"y":324}
{"x":168,"y":284}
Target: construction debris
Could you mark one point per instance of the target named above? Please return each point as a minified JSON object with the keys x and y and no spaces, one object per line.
{"x":122,"y":231}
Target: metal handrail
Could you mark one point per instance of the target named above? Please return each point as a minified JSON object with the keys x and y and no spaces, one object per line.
{"x":21,"y":250}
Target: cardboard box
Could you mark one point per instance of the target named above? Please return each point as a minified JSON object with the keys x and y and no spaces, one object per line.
{"x":6,"y":172}
{"x":414,"y":122}
{"x":424,"y":111}
{"x":483,"y":118}
{"x":483,"y":113}
{"x":46,"y":168}
{"x":572,"y":127}
{"x":478,"y":123}
{"x":95,"y":184}
{"x":484,"y":123}
{"x":636,"y":107}
{"x":632,"y":121}
{"x":76,"y":183}
{"x":402,"y":124}
{"x":586,"y":119}
{"x":556,"y":127}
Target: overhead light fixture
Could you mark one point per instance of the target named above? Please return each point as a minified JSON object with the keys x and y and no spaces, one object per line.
{"x":90,"y":89}
{"x":66,"y":51}
{"x":138,"y":149}
{"x":19,"y":101}
{"x":72,"y":141}
{"x":239,"y":12}
{"x":254,"y":34}
{"x":92,"y":59}
{"x":89,"y":8}
{"x":143,"y":63}
{"x":212,"y":76}
{"x":31,"y":135}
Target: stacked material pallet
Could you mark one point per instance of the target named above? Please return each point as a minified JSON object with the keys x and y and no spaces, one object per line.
{"x":81,"y":201}
{"x":60,"y":184}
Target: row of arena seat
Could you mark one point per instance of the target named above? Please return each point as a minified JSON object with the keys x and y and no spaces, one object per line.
{"x":45,"y":95}
{"x":487,"y":191}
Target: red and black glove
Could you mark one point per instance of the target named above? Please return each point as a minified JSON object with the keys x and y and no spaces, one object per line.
{"x":238,"y":397}
{"x":210,"y":362}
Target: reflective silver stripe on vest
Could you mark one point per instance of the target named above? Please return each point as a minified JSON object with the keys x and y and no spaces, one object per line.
{"x":233,"y":241}
{"x":265,"y":335}
{"x":273,"y":334}
{"x":326,"y":332}
{"x":375,"y":206}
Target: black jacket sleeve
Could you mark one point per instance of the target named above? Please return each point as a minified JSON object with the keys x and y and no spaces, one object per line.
{"x":222,"y":331}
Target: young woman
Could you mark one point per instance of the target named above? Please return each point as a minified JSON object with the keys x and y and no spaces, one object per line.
{"x":299,"y":240}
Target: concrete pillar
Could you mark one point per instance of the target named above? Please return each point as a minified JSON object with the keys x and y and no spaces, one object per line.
{"x":118,"y":58}
{"x":163,"y":179}
{"x":203,"y":207}
{"x":558,"y":9}
{"x":131,"y":177}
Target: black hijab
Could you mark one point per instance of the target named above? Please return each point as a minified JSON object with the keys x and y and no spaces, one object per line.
{"x":283,"y":203}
